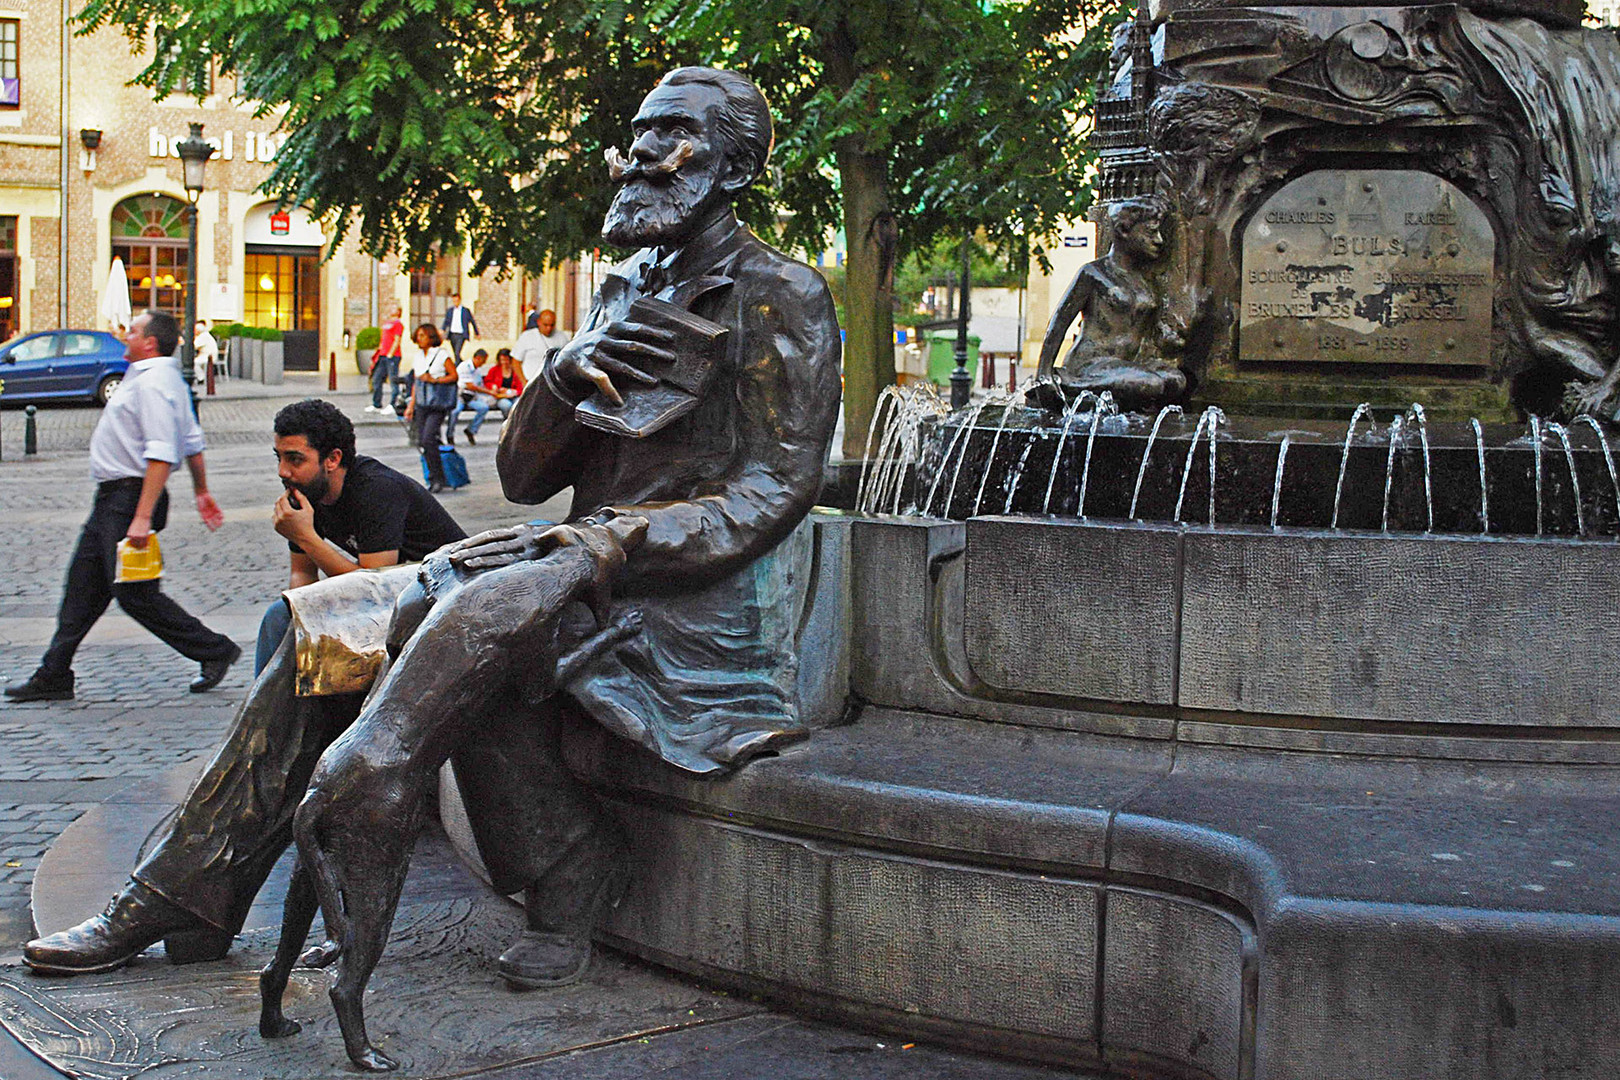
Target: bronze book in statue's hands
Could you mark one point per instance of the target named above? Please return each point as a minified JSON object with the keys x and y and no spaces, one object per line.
{"x":699,"y":344}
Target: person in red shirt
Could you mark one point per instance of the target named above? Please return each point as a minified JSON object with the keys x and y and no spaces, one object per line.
{"x":385,"y":361}
{"x":505,"y":380}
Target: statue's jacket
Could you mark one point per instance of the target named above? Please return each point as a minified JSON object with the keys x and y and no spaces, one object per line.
{"x":720,"y":579}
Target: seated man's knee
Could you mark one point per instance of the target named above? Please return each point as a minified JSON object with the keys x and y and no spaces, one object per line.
{"x":273,"y":627}
{"x":410,"y":608}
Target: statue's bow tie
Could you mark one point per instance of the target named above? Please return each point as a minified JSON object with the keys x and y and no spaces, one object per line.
{"x":653,"y":279}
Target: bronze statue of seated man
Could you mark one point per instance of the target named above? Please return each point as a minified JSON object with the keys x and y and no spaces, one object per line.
{"x":1129,"y":338}
{"x":721,"y":481}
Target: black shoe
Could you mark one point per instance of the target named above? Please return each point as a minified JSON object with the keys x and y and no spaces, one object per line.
{"x":470,"y":440}
{"x":42,"y":688}
{"x":437,"y":488}
{"x":136,"y":918}
{"x":214,"y":670}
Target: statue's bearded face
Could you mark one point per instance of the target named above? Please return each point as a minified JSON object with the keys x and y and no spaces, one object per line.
{"x":672,"y":176}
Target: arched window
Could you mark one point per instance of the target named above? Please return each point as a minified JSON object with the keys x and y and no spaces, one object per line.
{"x":149,"y":232}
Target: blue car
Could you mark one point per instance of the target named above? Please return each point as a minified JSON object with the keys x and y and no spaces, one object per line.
{"x":61,"y":364}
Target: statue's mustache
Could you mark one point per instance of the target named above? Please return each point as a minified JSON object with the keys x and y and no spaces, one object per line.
{"x":621,"y":168}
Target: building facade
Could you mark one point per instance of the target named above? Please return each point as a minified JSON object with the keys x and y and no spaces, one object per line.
{"x":89,"y":172}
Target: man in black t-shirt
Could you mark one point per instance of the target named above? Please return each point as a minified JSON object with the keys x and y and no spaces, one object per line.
{"x":335,"y":499}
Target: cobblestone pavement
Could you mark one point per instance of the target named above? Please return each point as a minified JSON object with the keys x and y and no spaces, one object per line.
{"x":133,"y":716}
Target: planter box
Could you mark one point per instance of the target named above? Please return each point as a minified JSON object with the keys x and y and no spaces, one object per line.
{"x":362,"y":360}
{"x":274,"y":362}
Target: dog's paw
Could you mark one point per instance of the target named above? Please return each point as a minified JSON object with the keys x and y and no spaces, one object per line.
{"x":373,"y":1060}
{"x":321,"y":955}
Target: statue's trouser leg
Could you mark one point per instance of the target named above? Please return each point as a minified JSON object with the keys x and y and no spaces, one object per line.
{"x":237,"y":819}
{"x":538,"y":828}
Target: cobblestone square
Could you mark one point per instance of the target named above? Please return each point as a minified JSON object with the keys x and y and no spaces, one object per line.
{"x":132,"y":716}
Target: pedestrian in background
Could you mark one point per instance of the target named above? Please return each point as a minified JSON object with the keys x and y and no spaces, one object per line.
{"x":432,"y":400}
{"x":540,"y":338}
{"x":475,"y":398}
{"x":459,"y":325}
{"x":505,"y":382}
{"x":385,"y":361}
{"x":144,"y":432}
{"x":205,"y":351}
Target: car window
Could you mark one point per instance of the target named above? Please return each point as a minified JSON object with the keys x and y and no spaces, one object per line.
{"x":80,"y":345}
{"x":35,"y":348}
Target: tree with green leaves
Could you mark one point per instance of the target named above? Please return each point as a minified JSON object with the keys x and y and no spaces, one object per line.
{"x":482,"y":123}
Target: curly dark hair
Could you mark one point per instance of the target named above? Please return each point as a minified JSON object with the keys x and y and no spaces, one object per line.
{"x":434,"y":337}
{"x":322,"y":423}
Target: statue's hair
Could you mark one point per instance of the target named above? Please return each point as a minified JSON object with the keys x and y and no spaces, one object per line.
{"x":744,"y":122}
{"x":1127,"y":214}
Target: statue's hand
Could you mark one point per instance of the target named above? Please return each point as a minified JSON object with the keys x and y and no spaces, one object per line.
{"x":609,"y":541}
{"x":498,"y":547}
{"x":598,"y":359}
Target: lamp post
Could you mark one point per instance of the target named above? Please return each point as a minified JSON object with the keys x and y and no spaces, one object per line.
{"x":194,"y":154}
{"x":961,"y":380}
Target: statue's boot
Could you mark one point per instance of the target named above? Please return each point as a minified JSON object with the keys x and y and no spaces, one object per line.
{"x":135,"y":919}
{"x":563,"y":908}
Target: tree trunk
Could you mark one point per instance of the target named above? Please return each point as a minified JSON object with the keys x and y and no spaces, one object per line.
{"x":869,"y":233}
{"x":868,"y":294}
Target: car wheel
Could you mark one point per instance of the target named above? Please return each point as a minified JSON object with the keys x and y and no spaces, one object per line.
{"x":104,"y":390}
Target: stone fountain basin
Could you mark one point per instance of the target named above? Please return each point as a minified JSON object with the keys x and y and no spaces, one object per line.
{"x":1018,"y":460}
{"x":1180,"y":801}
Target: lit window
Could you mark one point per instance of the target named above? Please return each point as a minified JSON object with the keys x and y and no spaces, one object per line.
{"x":10,"y":83}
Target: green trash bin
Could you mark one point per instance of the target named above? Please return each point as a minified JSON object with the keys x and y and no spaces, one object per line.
{"x":942,"y":358}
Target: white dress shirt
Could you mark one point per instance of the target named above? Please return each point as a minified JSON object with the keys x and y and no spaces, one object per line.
{"x":149,"y":418}
{"x":456,"y":325}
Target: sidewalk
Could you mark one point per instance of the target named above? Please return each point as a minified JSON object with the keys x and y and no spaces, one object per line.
{"x":133,"y":723}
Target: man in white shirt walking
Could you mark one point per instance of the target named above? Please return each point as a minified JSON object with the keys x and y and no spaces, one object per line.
{"x":459,"y":325}
{"x":147,"y":428}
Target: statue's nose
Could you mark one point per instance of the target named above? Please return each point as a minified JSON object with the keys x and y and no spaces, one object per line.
{"x":643,"y":149}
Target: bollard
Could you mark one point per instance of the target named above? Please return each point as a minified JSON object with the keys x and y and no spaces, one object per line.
{"x":331,"y":380}
{"x":30,"y":432}
{"x":210,"y":379}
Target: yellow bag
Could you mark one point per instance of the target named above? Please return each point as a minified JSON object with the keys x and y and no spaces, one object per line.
{"x":139,"y":564}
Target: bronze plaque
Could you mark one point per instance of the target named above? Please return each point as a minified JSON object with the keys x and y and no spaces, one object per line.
{"x":1374,"y":267}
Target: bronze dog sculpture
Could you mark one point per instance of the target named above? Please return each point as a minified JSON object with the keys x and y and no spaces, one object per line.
{"x":358,"y":822}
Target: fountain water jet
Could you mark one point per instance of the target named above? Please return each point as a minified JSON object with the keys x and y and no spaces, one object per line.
{"x":1484,"y":493}
{"x":1396,"y":427}
{"x":1344,"y":461}
{"x":1562,"y":434}
{"x":1276,"y":491}
{"x":1147,"y":452}
{"x":1209,"y":421}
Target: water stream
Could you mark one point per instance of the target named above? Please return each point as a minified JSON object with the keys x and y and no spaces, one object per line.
{"x":1276,"y":488}
{"x":1147,"y":452}
{"x":1344,"y":461}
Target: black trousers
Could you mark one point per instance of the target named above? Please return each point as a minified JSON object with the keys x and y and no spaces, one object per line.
{"x":456,"y":342}
{"x":430,"y":429}
{"x":89,"y":588}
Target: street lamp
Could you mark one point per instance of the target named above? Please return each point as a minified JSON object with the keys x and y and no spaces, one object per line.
{"x":961,"y":379}
{"x":194,"y":154}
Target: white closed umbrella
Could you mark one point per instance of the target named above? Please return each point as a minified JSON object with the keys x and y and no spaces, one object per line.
{"x":115,"y":297}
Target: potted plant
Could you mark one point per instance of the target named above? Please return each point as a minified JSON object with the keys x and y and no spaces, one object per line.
{"x":365,"y":347}
{"x":274,"y":355}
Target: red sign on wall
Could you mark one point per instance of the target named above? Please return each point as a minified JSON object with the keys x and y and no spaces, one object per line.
{"x":280,"y":223}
